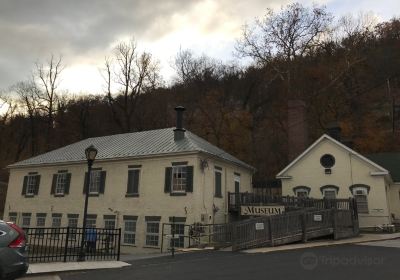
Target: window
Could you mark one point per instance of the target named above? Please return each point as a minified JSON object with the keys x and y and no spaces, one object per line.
{"x":95,"y":180}
{"x":218,"y":183}
{"x":12,"y":217}
{"x":40,"y":224}
{"x":327,"y":161}
{"x":301,"y":191}
{"x":360,"y":194}
{"x":178,"y":178}
{"x":30,"y":185}
{"x":130,"y":230}
{"x":133,"y":182}
{"x":178,"y":227}
{"x":91,"y":221}
{"x":109,"y":221}
{"x":61,"y":182}
{"x":329,"y":191}
{"x":72,"y":224}
{"x":329,"y":194}
{"x":152,"y":231}
{"x":56,"y":224}
{"x":26,"y":220}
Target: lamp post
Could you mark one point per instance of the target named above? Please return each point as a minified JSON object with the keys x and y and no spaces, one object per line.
{"x":90,"y":153}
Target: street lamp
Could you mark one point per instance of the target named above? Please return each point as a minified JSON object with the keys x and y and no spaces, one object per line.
{"x":91,"y":153}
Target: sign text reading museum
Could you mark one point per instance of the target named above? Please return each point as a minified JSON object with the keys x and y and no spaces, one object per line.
{"x":261,"y":210}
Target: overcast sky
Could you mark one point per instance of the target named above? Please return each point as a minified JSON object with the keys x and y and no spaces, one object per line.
{"x":85,"y":31}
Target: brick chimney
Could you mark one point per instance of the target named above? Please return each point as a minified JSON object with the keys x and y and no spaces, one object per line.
{"x":297,"y":128}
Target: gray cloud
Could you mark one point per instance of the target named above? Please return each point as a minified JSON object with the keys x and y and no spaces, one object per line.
{"x":32,"y":30}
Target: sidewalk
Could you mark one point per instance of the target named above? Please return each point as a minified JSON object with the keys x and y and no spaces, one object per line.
{"x":38,"y":268}
{"x":359,"y":239}
{"x":54,"y":267}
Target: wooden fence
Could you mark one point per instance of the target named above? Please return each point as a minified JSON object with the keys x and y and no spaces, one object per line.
{"x":235,"y":200}
{"x":292,"y":227}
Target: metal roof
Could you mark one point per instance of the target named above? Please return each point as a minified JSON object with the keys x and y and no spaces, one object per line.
{"x":131,"y":145}
{"x":390,"y":161}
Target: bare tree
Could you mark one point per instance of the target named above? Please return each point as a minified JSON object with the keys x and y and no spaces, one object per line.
{"x":28,"y":96}
{"x":278,"y":39}
{"x":190,"y":68}
{"x":8,"y":107}
{"x":47,"y":78}
{"x":130,"y":74}
{"x":291,"y":33}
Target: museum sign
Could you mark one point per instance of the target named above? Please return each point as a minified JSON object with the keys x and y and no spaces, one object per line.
{"x":262,"y":210}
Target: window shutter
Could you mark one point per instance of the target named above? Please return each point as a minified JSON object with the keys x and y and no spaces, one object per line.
{"x":168,"y":178}
{"x":189,"y":179}
{"x":53,"y":184}
{"x":85,"y":183}
{"x":136,"y":181}
{"x":102,"y":181}
{"x":24,"y":185}
{"x":67,"y":183}
{"x":133,"y":182}
{"x":218,"y":192}
{"x":37,"y":184}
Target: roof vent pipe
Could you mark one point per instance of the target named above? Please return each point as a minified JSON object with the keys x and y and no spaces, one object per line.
{"x":179,"y":131}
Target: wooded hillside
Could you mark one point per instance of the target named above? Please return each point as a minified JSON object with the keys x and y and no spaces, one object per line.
{"x":345,"y":70}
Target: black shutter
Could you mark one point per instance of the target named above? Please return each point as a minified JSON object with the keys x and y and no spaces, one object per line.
{"x":189,"y":179}
{"x":131,"y":175}
{"x":24,"y":185}
{"x":102,"y":181}
{"x":67,"y":183}
{"x":85,"y":183}
{"x":168,"y":176}
{"x":53,"y":184}
{"x":37,"y":184}
{"x":136,"y":181}
{"x":218,"y":192}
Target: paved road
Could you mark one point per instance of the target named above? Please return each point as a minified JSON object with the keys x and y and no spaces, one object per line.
{"x":333,"y":262}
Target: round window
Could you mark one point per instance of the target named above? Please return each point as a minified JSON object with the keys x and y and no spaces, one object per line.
{"x":327,"y":161}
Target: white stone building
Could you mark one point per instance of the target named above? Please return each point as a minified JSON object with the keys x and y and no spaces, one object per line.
{"x":139,"y":181}
{"x":330,"y":169}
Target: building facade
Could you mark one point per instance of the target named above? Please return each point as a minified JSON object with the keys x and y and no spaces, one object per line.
{"x":330,"y":169}
{"x":139,"y":181}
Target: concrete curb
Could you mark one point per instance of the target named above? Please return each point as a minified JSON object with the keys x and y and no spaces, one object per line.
{"x":356,"y":240}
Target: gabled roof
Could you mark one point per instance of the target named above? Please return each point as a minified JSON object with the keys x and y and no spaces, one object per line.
{"x":382,"y":171}
{"x":131,"y":145}
{"x":390,"y":161}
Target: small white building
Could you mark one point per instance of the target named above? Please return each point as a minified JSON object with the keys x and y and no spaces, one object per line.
{"x":330,"y":169}
{"x":139,"y":181}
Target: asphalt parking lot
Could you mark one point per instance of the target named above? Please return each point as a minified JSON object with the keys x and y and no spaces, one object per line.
{"x":370,"y":261}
